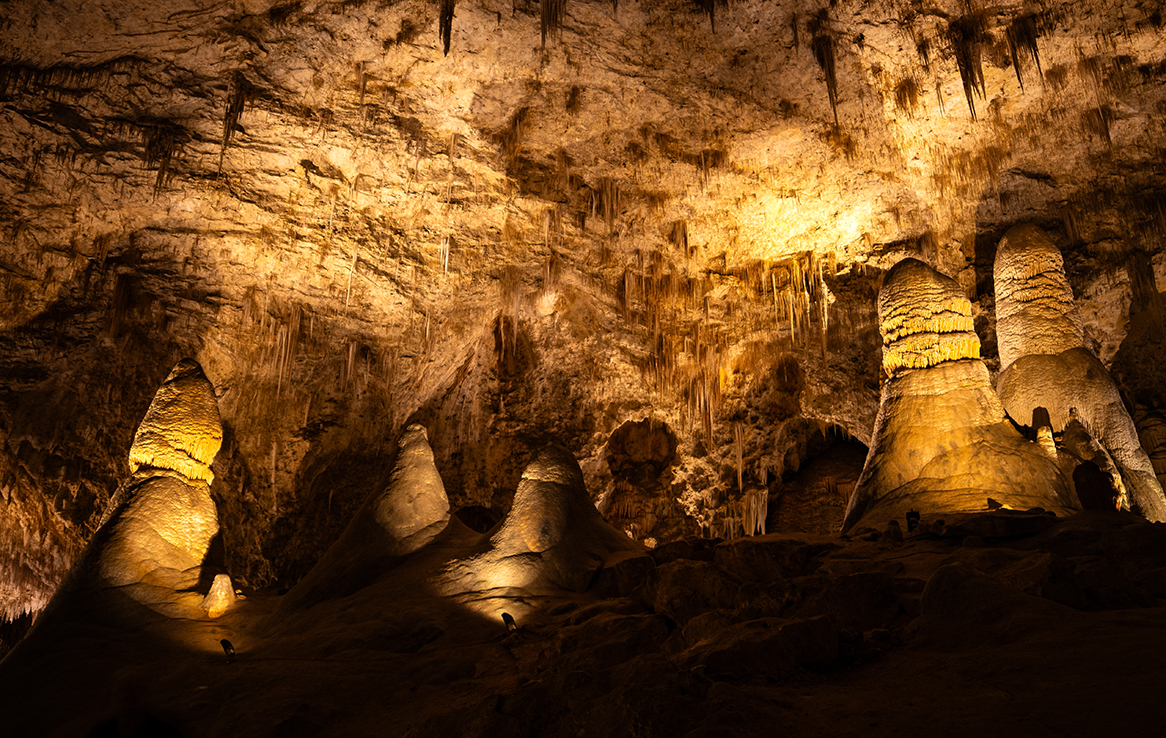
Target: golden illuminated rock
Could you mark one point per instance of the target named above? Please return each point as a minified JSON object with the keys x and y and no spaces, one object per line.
{"x":941,"y":441}
{"x":1046,"y":365}
{"x":923,"y":323}
{"x":153,"y":542}
{"x":552,"y":539}
{"x":155,"y":539}
{"x":221,"y":597}
{"x":181,"y":431}
{"x":162,"y":525}
{"x":401,"y":519}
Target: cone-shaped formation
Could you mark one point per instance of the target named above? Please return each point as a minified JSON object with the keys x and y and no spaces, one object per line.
{"x":153,"y":542}
{"x":551,"y":490}
{"x":414,"y":507}
{"x":181,"y":431}
{"x":404,"y":517}
{"x":160,"y":530}
{"x":941,"y":442}
{"x":552,"y":539}
{"x":1046,"y":365}
{"x":221,"y":597}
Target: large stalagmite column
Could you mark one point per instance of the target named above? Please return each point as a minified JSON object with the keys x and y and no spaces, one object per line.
{"x":1045,"y":363}
{"x":154,"y":540}
{"x":161,"y":533}
{"x":941,"y":441}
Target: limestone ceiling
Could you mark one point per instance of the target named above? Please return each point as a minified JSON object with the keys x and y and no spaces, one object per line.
{"x":348,"y":227}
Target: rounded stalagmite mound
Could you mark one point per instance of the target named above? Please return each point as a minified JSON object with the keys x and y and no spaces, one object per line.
{"x":553,"y":539}
{"x":550,"y":493}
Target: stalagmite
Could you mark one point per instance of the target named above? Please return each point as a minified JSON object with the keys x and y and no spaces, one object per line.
{"x":1046,"y":365}
{"x":402,"y":519}
{"x":154,"y":540}
{"x":552,"y":539}
{"x":221,"y":597}
{"x":941,"y":442}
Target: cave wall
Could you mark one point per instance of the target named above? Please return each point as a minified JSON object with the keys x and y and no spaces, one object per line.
{"x":540,"y":235}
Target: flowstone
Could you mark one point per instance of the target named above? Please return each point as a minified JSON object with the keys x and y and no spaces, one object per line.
{"x":941,"y":442}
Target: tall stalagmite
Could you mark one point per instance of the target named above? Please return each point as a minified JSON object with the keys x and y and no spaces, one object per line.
{"x":399,"y":520}
{"x":154,"y":541}
{"x":552,"y":539}
{"x":1046,"y":365}
{"x":941,"y":442}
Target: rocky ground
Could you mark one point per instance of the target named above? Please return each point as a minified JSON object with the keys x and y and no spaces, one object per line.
{"x":1006,"y":623}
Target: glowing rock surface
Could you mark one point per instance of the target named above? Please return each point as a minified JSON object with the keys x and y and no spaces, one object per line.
{"x":160,"y":532}
{"x":941,"y":442}
{"x":181,"y":431}
{"x":1045,"y":363}
{"x":221,"y":597}
{"x":403,"y":518}
{"x":553,"y":537}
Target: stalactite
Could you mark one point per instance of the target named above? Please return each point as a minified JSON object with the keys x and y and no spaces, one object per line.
{"x":1022,"y":35}
{"x":823,"y":44}
{"x":162,"y":141}
{"x":907,"y":96}
{"x":514,"y":132}
{"x":446,"y":24}
{"x":709,"y":7}
{"x":552,"y":17}
{"x":608,"y":202}
{"x":967,"y":36}
{"x":239,"y":92}
{"x":923,"y":49}
{"x":739,"y":454}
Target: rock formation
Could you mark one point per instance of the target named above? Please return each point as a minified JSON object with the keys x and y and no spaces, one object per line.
{"x":1045,"y":363}
{"x":552,"y":539}
{"x":155,"y":538}
{"x":941,"y":441}
{"x":401,"y":519}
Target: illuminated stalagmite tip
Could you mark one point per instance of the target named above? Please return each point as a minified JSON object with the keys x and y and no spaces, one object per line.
{"x":181,"y":431}
{"x":924,"y":319}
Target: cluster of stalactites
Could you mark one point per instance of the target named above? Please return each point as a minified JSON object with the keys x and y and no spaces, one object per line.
{"x":924,"y":319}
{"x":181,"y":432}
{"x":1035,"y":312}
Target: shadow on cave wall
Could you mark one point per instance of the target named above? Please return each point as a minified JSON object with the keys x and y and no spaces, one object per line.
{"x":821,"y":471}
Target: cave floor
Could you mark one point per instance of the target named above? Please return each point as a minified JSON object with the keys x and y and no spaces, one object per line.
{"x":961,"y":649}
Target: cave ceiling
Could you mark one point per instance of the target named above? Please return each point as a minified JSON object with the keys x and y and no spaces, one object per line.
{"x":550,"y":222}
